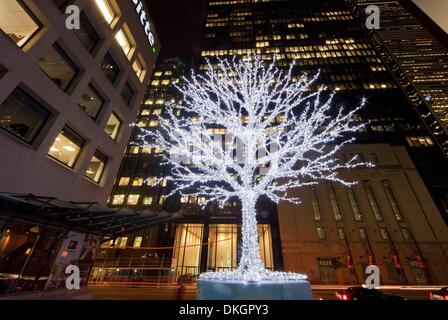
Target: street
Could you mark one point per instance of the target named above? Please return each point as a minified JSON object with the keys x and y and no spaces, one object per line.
{"x":171,"y":292}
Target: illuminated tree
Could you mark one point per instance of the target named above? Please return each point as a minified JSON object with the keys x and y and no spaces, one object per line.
{"x":279,"y":134}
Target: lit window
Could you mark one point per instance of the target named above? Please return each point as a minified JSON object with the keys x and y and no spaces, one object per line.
{"x":354,"y":204}
{"x":315,"y":204}
{"x":341,"y":234}
{"x":118,"y":199}
{"x":58,"y":66}
{"x":124,"y":181}
{"x":22,"y":116}
{"x":139,"y":69}
{"x":17,"y":21}
{"x":334,"y":203}
{"x":133,"y":150}
{"x":362,"y":233}
{"x":138,"y":182}
{"x":147,"y":201}
{"x":138,"y":242}
{"x":372,"y":201}
{"x":121,"y":242}
{"x":384,"y":234}
{"x":407,"y":235}
{"x":96,"y":167}
{"x":153,"y":123}
{"x":392,"y":200}
{"x":107,"y":10}
{"x":133,"y":199}
{"x":91,"y":102}
{"x":67,"y":147}
{"x":125,"y":43}
{"x":113,"y":126}
{"x":164,"y":183}
{"x":151,"y":181}
{"x":320,"y":232}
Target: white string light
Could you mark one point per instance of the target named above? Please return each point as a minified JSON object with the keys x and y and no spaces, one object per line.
{"x":279,"y":136}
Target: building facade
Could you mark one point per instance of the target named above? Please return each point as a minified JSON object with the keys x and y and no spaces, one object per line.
{"x":389,"y":218}
{"x":69,"y":88}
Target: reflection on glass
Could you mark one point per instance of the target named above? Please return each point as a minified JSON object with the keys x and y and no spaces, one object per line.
{"x":110,"y":68}
{"x":56,"y":64}
{"x":86,"y":33}
{"x":91,"y":102}
{"x":96,"y":167}
{"x":127,"y":93}
{"x":67,"y":147}
{"x":22,"y":116}
{"x":113,"y":126}
{"x":17,"y":21}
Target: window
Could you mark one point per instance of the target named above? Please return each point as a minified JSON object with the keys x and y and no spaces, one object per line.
{"x":327,"y":270}
{"x":96,"y":167}
{"x":133,"y":199}
{"x":138,"y":242}
{"x":392,"y":201}
{"x":407,"y":234}
{"x":320,"y":232}
{"x":86,"y":33}
{"x":121,"y":242}
{"x":372,"y":201}
{"x":106,"y":10}
{"x":334,"y":203}
{"x":58,"y":66}
{"x":147,"y":201}
{"x":17,"y":21}
{"x":362,"y":233}
{"x":62,"y":3}
{"x":138,"y":182}
{"x":124,"y":41}
{"x":315,"y":204}
{"x":91,"y":102}
{"x":124,"y":181}
{"x":118,"y":199}
{"x":22,"y":116}
{"x":67,"y":147}
{"x":2,"y":71}
{"x":341,"y":233}
{"x":113,"y":126}
{"x":110,"y":67}
{"x":384,"y":234}
{"x":139,"y":69}
{"x":127,"y":93}
{"x":354,"y":204}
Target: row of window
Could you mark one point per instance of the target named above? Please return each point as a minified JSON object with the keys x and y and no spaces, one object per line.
{"x":24,"y":117}
{"x":406,"y":233}
{"x":372,"y":200}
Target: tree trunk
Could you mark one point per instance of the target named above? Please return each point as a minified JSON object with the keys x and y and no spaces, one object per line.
{"x":250,"y":264}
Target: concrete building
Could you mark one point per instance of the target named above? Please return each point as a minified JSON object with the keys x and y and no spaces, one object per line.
{"x":67,"y":95}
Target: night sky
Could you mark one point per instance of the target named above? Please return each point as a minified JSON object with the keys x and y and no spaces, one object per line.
{"x":179,"y":25}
